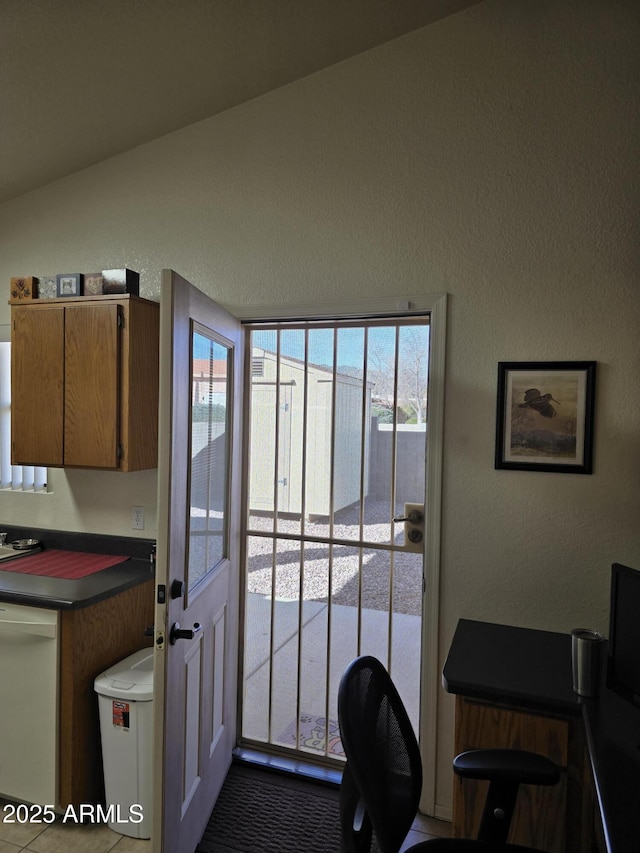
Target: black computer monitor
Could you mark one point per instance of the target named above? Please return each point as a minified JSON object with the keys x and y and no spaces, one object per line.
{"x":623,"y":670}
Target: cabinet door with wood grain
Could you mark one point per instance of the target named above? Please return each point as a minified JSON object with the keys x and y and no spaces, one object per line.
{"x":37,"y":385}
{"x":539,"y":819}
{"x":92,"y":385}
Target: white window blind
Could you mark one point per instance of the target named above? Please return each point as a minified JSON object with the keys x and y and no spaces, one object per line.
{"x":24,"y":478}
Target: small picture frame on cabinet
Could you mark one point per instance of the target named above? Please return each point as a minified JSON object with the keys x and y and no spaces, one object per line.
{"x":92,"y":284}
{"x":47,"y":287}
{"x":69,"y":284}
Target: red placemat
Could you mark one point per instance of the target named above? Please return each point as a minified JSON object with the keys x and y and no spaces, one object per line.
{"x":69,"y":565}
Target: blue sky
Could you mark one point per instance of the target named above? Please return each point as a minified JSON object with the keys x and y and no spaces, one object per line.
{"x":350,"y":343}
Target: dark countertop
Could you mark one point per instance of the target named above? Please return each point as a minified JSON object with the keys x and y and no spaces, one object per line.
{"x":506,"y":664}
{"x":532,"y":668}
{"x":60,"y":594}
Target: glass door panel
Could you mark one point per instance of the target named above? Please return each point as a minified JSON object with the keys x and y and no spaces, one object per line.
{"x":211,"y":371}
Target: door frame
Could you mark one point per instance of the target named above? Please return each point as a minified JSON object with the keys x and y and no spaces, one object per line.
{"x":436,"y":306}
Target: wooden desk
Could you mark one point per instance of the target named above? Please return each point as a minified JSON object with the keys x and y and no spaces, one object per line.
{"x":513,"y":689}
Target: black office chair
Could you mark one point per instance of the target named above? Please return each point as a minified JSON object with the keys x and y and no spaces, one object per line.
{"x":382,"y":779}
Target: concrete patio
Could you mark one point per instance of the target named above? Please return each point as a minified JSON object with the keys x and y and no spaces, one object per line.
{"x":309,"y":593}
{"x":308,"y":627}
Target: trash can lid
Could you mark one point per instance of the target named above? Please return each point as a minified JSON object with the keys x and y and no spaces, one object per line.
{"x":131,"y":678}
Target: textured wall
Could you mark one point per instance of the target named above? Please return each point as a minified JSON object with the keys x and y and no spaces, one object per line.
{"x":492,"y":156}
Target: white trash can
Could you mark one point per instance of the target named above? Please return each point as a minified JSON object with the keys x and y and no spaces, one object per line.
{"x":125,"y":693}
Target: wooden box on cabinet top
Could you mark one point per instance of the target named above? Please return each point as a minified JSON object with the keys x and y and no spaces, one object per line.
{"x":84,"y":376}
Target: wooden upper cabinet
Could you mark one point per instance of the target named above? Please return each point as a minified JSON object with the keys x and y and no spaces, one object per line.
{"x":37,"y":386}
{"x":85,"y":383}
{"x":92,"y":385}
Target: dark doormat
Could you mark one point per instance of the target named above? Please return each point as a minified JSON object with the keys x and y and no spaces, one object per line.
{"x":259,"y":811}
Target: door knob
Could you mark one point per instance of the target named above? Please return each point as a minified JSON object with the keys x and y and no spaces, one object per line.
{"x":178,"y":633}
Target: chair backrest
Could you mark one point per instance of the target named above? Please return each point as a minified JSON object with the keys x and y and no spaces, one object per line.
{"x":382,"y":752}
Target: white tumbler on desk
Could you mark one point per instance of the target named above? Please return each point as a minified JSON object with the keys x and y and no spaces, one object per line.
{"x":586,"y":648}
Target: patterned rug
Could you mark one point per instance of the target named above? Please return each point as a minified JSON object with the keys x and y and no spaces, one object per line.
{"x":259,"y":811}
{"x":313,"y":734}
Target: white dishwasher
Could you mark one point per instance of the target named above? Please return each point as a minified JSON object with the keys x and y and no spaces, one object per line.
{"x":29,"y":643}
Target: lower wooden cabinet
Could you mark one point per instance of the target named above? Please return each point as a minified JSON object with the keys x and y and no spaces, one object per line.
{"x":551,"y":819}
{"x":91,"y":640}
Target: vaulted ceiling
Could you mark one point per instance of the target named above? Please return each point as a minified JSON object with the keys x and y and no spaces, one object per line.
{"x":84,"y":80}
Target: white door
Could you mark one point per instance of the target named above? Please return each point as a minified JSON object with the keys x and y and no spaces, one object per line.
{"x":197,"y":573}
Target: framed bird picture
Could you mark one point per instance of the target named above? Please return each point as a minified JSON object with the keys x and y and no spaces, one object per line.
{"x":545,"y":416}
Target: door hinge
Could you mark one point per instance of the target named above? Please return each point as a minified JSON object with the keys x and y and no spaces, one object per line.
{"x":119,"y":451}
{"x":120,"y":320}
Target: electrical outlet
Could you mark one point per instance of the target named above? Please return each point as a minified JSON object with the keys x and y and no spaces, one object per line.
{"x":137,"y":518}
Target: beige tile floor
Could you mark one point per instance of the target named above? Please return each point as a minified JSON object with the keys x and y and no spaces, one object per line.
{"x":64,"y":838}
{"x":424,"y":828}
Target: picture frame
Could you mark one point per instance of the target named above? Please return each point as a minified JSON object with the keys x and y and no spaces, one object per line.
{"x":545,"y":414}
{"x":69,"y":284}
